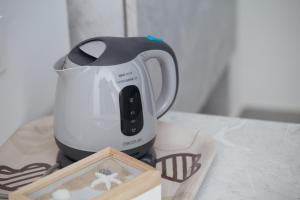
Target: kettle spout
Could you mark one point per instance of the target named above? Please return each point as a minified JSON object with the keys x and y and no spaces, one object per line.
{"x":59,"y":65}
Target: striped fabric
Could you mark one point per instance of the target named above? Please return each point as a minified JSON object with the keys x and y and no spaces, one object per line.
{"x":11,"y":179}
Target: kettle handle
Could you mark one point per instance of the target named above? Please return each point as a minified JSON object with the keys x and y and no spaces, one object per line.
{"x":169,"y":69}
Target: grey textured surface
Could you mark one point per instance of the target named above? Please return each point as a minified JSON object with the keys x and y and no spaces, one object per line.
{"x":201,"y":32}
{"x":255,"y":159}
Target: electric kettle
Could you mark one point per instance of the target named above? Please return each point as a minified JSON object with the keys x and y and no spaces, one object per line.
{"x":104,"y":95}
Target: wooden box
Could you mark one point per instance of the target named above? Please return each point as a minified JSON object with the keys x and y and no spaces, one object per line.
{"x":106,"y":175}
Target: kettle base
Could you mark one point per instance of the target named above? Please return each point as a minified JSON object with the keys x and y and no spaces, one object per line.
{"x":63,"y":161}
{"x":68,"y":155}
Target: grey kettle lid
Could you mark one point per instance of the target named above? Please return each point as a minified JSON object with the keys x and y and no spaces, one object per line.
{"x":105,"y":51}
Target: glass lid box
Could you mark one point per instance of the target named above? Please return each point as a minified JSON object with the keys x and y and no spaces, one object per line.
{"x":108,"y":174}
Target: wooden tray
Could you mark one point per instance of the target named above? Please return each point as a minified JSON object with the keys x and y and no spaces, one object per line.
{"x":187,"y":152}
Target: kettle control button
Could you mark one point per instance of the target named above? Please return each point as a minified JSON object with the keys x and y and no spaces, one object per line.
{"x":131,"y":100}
{"x":131,"y":111}
{"x":133,"y":130}
{"x":132,"y":121}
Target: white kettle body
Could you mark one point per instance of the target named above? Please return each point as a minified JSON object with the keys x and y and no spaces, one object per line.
{"x":104,"y":95}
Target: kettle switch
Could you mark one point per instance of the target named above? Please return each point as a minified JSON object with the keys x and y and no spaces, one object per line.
{"x":132,"y":121}
{"x":131,"y":99}
{"x":131,"y":111}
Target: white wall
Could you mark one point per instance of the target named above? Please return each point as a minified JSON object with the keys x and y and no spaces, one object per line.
{"x":265,"y":71}
{"x":33,"y":35}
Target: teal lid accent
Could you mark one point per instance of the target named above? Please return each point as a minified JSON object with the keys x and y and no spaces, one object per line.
{"x":152,"y":38}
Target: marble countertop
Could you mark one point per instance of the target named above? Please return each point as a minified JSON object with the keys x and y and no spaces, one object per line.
{"x":255,"y":159}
